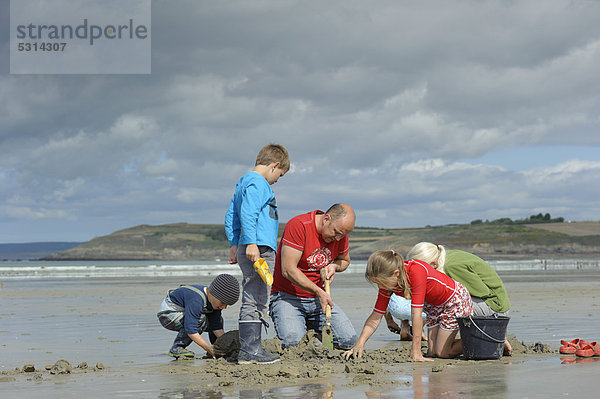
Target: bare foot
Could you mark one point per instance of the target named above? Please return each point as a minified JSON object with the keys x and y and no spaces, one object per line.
{"x":405,"y":334}
{"x":507,"y":348}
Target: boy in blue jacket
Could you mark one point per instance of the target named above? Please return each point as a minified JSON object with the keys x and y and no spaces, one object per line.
{"x":252,"y":224}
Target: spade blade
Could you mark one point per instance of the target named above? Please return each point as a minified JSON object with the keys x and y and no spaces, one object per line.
{"x":327,"y":337}
{"x":327,"y":332}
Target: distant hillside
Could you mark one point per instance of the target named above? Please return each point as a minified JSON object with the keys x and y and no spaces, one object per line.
{"x":177,"y":241}
{"x":33,"y":250}
{"x":549,"y":240}
{"x":182,"y":241}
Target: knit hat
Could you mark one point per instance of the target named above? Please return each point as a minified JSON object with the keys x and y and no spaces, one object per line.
{"x":225,"y":288}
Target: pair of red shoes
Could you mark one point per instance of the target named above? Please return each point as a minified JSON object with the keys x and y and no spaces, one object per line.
{"x":580,"y":348}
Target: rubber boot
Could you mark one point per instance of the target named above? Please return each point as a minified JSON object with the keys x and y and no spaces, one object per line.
{"x":251,"y":350}
{"x":182,"y":340}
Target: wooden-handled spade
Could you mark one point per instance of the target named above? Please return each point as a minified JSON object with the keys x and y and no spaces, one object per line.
{"x":327,"y":332}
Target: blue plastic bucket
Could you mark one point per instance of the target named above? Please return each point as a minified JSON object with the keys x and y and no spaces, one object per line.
{"x":483,"y":336}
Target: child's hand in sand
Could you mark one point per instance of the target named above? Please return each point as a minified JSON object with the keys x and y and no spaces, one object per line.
{"x":355,"y":352}
{"x":210,"y":351}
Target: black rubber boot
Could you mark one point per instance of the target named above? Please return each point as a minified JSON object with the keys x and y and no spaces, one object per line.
{"x":251,"y":350}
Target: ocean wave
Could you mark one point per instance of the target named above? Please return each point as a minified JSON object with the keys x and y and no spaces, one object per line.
{"x":124,"y":269}
{"x":105,"y":269}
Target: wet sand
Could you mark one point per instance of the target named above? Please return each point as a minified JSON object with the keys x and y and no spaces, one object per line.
{"x":108,"y":333}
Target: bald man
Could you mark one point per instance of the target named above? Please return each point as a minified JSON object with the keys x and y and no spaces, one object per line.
{"x":313,"y":245}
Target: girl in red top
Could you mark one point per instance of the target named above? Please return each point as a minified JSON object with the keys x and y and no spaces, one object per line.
{"x":441,"y":298}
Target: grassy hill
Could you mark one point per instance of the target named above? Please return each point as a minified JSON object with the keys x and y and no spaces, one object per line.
{"x":549,"y":240}
{"x":183,"y":241}
{"x":167,"y":241}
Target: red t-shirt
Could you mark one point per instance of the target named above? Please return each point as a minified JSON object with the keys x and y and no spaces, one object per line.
{"x":301,"y":233}
{"x":426,"y":285}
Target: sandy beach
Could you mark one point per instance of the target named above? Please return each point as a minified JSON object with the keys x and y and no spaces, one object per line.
{"x":106,"y":329}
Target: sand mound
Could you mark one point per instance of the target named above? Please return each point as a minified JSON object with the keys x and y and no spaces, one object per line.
{"x":309,"y":348}
{"x":520,"y":347}
{"x":310,"y":359}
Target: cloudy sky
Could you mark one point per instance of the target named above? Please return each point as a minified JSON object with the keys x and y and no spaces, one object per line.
{"x":415,"y":113}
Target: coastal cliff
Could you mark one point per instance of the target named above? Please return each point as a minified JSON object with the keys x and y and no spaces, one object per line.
{"x":183,"y":241}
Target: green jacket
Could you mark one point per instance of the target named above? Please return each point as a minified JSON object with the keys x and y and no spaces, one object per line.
{"x":478,"y":277}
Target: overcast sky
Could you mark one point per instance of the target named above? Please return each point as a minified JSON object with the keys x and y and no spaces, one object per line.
{"x":414,"y":112}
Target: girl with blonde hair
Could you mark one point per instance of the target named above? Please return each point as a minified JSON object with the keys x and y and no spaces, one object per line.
{"x":434,"y":254}
{"x":400,"y":307}
{"x":440,"y":297}
{"x":483,"y":283}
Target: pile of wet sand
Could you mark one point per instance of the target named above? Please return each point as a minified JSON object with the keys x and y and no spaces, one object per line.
{"x":310,"y":359}
{"x":520,"y":347}
{"x":309,"y":349}
{"x":60,"y":367}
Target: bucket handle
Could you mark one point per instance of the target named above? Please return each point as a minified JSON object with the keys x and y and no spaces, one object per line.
{"x":483,"y":332}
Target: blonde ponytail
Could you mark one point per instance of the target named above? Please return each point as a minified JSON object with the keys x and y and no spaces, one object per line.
{"x":430,"y":253}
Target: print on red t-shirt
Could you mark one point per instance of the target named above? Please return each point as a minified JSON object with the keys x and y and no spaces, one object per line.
{"x":320,"y":258}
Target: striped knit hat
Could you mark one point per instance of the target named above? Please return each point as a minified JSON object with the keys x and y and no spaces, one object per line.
{"x":225,"y":288}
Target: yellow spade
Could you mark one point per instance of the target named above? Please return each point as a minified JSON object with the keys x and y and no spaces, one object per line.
{"x":263,"y":271}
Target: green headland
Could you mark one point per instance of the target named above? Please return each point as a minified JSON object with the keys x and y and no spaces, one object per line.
{"x":502,"y":238}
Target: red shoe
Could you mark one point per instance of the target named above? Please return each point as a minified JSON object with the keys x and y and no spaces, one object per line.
{"x":571,"y":347}
{"x":596,"y":348}
{"x":588,"y":351}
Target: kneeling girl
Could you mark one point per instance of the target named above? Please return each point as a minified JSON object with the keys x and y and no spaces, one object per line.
{"x":440,"y":297}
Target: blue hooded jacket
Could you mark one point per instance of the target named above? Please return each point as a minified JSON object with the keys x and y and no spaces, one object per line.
{"x":252,"y":217}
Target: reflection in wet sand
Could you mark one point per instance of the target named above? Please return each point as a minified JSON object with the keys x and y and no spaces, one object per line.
{"x":574,"y":359}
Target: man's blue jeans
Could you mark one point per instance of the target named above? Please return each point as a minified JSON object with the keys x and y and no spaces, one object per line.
{"x":294,"y":316}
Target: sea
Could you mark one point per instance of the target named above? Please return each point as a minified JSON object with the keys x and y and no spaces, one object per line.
{"x":37,"y":269}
